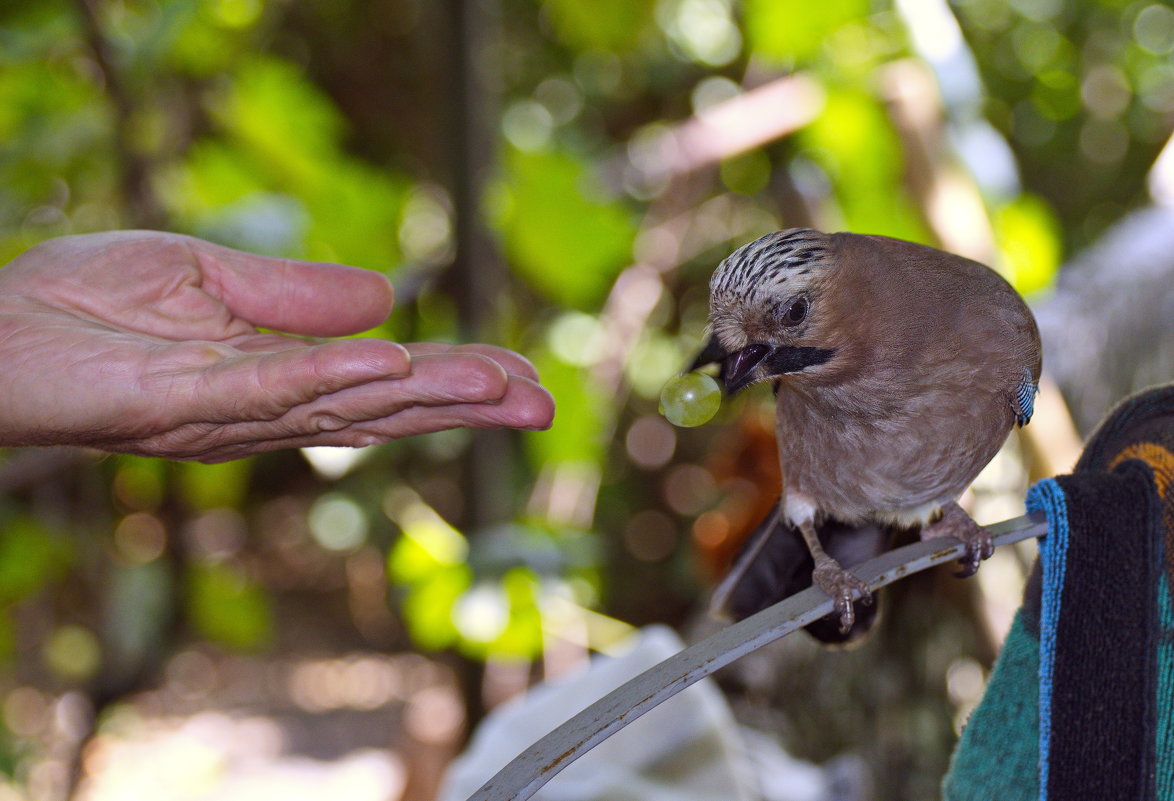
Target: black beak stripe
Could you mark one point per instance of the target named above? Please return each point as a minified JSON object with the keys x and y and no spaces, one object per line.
{"x":738,"y":368}
{"x":792,"y":360}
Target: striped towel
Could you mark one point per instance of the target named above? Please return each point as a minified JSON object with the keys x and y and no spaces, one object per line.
{"x":1080,"y":704}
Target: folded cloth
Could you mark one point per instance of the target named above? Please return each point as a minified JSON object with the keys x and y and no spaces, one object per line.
{"x":1080,"y":704}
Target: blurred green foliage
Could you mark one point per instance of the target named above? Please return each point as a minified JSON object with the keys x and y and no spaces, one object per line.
{"x":1084,"y":92}
{"x":544,"y":201}
{"x":325,"y":130}
{"x":228,"y":607}
{"x":787,"y":32}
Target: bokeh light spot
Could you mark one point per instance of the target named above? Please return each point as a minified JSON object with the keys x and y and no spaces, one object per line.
{"x":236,"y":13}
{"x":1154,"y":29}
{"x":650,"y":442}
{"x":650,"y":535}
{"x":527,"y":124}
{"x":337,"y":522}
{"x":689,"y":488}
{"x":140,"y":538}
{"x":72,"y":652}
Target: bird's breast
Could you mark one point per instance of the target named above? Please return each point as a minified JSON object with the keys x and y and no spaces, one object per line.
{"x":891,"y":457}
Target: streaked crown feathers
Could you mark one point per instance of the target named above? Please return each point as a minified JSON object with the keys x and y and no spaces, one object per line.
{"x":767,"y":262}
{"x":755,"y":282}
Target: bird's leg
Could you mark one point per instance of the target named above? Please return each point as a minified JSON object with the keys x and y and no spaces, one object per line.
{"x":955,"y":523}
{"x":833,"y":579}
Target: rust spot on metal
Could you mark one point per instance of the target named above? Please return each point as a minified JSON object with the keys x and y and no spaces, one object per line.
{"x":560,"y":759}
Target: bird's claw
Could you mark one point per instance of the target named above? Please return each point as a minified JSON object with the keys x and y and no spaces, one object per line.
{"x":843,"y":588}
{"x":978,"y":548}
{"x":955,"y":523}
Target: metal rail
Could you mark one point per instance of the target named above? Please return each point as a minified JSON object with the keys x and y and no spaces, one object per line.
{"x":539,"y":763}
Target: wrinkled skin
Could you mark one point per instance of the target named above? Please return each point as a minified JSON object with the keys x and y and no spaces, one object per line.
{"x":148,"y":343}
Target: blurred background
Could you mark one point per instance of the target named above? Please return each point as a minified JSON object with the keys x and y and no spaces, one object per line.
{"x":559,"y":177}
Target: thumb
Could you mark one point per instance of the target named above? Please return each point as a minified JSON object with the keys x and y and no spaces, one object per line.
{"x":298,"y":297}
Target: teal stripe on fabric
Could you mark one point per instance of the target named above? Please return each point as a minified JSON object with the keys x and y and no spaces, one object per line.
{"x":1164,"y":747}
{"x":997,"y":755}
{"x":1047,"y":497}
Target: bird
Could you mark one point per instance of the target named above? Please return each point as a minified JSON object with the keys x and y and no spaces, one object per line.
{"x":899,"y":370}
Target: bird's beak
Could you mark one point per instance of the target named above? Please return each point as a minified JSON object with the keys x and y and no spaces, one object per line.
{"x":712,"y":353}
{"x":737,"y":369}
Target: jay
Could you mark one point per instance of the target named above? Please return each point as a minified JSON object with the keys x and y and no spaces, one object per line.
{"x":899,"y":370}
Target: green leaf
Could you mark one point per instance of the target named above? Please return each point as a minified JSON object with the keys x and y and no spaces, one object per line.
{"x":227,"y":607}
{"x":426,"y":545}
{"x":854,"y":142}
{"x":522,"y":637}
{"x":600,"y":24}
{"x":563,"y":238}
{"x":275,"y":178}
{"x":578,"y":432}
{"x":429,"y":559}
{"x":286,"y":122}
{"x":207,"y":37}
{"x":794,"y":30}
{"x":428,"y":606}
{"x":211,"y":486}
{"x":1028,"y":236}
{"x":355,"y":217}
{"x":501,"y":619}
{"x":31,"y":556}
{"x":214,"y":175}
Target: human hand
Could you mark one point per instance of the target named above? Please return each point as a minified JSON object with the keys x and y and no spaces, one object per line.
{"x":145,"y":342}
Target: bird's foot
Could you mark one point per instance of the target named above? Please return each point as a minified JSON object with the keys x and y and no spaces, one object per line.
{"x":955,"y":523}
{"x":842,"y":586}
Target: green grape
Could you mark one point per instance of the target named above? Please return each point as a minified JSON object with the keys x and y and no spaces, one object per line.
{"x":690,"y":400}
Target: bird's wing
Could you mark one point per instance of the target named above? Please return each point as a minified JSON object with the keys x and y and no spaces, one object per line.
{"x":1024,"y":401}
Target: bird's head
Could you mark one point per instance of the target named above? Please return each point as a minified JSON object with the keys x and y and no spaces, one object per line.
{"x":770,"y":314}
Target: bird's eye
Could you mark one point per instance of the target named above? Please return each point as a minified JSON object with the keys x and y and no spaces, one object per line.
{"x":796,"y":312}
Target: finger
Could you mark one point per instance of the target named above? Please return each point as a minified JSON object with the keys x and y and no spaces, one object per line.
{"x":526,"y":405}
{"x":514,"y":363}
{"x":438,"y":380}
{"x":213,"y":383}
{"x":301,"y":297}
{"x":268,"y":343}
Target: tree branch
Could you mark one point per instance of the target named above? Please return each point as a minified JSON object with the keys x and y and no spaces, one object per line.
{"x":142,"y":207}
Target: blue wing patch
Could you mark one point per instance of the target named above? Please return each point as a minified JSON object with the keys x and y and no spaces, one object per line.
{"x":1024,"y":401}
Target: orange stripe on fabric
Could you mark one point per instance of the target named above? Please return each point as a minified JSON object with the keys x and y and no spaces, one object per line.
{"x":1160,"y":460}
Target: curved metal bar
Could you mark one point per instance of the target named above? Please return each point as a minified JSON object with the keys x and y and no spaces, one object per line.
{"x":539,"y":763}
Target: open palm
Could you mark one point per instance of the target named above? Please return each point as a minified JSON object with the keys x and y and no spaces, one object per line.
{"x":148,"y":343}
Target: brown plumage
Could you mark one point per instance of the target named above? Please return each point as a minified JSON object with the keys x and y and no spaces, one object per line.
{"x":899,"y":372}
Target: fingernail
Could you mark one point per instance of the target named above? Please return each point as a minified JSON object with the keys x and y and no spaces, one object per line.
{"x":408,"y":358}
